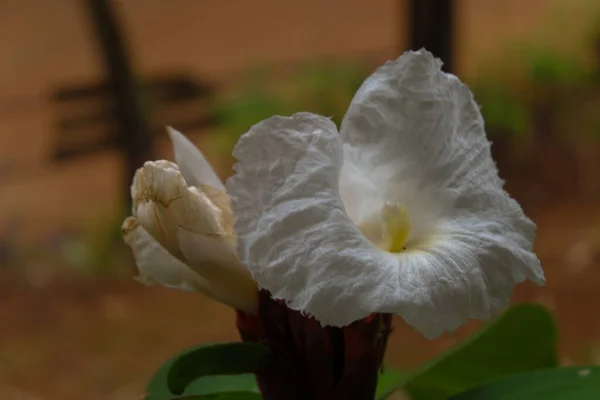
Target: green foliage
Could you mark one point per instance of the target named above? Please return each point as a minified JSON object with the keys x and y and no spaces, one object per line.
{"x":100,"y":247}
{"x":524,"y":76}
{"x":522,"y":339}
{"x":581,"y":383}
{"x":504,"y":112}
{"x":223,"y":396}
{"x":387,"y":382}
{"x":239,"y":112}
{"x":216,"y":359}
{"x":513,"y":357}
{"x":548,"y":68}
{"x":216,"y":371}
{"x":322,"y":88}
{"x":90,"y":248}
{"x":327,"y":89}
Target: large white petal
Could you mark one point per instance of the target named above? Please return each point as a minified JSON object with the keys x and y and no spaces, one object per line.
{"x":296,"y":239}
{"x":417,"y":134}
{"x":195,"y":168}
{"x":293,"y":231}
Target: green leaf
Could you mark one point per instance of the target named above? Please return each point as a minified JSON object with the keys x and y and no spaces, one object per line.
{"x":581,"y":383}
{"x":206,"y":387}
{"x":551,"y":69}
{"x":216,"y":384}
{"x":387,"y":382}
{"x":224,"y":396}
{"x":522,"y":339}
{"x":216,"y":359}
{"x":158,"y":388}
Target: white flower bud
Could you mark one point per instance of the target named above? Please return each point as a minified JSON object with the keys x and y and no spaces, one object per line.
{"x":182,"y":236}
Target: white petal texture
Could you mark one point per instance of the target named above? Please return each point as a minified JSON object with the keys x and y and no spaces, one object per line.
{"x":193,"y":165}
{"x":182,"y":237}
{"x":401,"y":212}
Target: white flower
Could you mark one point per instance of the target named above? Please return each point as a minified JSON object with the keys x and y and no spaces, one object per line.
{"x":400,"y":212}
{"x":181,"y":231}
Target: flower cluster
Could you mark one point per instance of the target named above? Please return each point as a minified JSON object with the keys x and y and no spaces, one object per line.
{"x":400,"y":211}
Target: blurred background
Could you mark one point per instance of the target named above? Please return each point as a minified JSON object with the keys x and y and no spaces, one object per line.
{"x":87,"y":86}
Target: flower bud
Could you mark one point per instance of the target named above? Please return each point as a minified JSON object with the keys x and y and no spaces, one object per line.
{"x":182,"y":237}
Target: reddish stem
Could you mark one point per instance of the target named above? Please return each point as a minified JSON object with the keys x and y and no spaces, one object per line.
{"x":315,"y":362}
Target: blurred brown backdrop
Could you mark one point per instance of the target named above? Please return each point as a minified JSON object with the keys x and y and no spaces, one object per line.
{"x":73,"y":325}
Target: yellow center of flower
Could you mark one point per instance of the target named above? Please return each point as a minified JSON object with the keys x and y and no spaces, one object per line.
{"x":396,"y":224}
{"x":390,"y":229}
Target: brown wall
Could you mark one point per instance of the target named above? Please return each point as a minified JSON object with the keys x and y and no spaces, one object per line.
{"x":46,"y":42}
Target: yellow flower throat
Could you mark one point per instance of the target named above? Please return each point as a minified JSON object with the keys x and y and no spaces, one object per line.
{"x":390,"y":229}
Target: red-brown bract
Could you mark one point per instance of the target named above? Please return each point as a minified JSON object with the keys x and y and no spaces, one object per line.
{"x":315,"y":362}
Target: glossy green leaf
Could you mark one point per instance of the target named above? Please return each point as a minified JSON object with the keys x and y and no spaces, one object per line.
{"x":522,"y":339}
{"x":216,"y":359}
{"x":580,"y":383}
{"x":223,"y":396}
{"x":387,"y":382}
{"x":207,"y":386}
{"x":223,"y":383}
{"x":158,"y":388}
